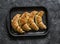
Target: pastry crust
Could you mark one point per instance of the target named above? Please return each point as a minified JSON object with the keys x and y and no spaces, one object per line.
{"x":15,"y":25}
{"x":26,"y":27}
{"x":41,"y":13}
{"x":33,"y":25}
{"x":32,"y":14}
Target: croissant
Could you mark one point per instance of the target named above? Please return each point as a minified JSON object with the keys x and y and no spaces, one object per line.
{"x":31,"y":21}
{"x":38,"y":20}
{"x":23,"y":21}
{"x":15,"y":25}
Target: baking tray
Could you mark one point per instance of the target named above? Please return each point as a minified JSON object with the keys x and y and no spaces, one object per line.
{"x":13,"y":11}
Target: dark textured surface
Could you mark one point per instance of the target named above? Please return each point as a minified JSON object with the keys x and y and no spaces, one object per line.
{"x":53,"y":7}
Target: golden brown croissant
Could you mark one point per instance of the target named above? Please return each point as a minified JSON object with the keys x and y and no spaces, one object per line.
{"x":15,"y":25}
{"x":23,"y":21}
{"x":31,"y":21}
{"x":38,"y":20}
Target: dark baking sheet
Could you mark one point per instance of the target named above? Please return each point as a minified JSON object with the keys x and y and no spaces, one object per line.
{"x":13,"y":11}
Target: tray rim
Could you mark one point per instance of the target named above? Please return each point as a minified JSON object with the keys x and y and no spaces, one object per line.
{"x":27,"y":35}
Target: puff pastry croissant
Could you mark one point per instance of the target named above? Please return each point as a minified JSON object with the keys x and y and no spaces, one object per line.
{"x":31,"y":20}
{"x":15,"y":24}
{"x":23,"y":21}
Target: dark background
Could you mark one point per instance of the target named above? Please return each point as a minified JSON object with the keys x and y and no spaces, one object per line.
{"x":53,"y":7}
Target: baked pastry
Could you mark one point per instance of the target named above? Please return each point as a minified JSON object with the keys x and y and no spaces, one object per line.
{"x":31,"y":21}
{"x":33,"y":25}
{"x":15,"y":24}
{"x":38,"y":20}
{"x":24,"y":21}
